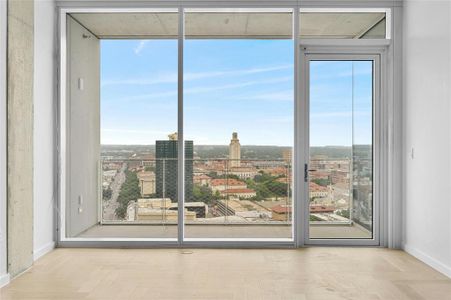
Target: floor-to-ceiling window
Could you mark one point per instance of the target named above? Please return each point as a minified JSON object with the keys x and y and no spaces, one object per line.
{"x":236,"y":110}
{"x":138,"y":115}
{"x":239,"y":117}
{"x":123,"y":113}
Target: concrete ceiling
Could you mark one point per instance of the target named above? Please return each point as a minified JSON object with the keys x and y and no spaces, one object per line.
{"x":238,"y":25}
{"x":342,"y":25}
{"x":130,"y":25}
{"x":233,"y":25}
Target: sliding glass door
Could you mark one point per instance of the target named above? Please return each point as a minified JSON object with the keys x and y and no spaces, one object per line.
{"x":341,"y":93}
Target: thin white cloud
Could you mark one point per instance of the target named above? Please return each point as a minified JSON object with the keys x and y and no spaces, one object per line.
{"x":208,"y":89}
{"x":287,"y":96}
{"x":159,"y":79}
{"x":157,"y":95}
{"x":201,"y":75}
{"x":140,"y":47}
{"x":117,"y":130}
{"x":172,"y":77}
{"x":199,"y":90}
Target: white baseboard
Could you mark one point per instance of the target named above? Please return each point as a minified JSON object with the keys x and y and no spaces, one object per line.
{"x":4,"y":280}
{"x":432,"y":262}
{"x":38,"y":253}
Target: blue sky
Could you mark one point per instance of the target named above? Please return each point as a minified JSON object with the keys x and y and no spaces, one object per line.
{"x":230,"y":85}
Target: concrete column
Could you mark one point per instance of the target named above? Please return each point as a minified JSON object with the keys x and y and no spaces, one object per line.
{"x":20,"y":135}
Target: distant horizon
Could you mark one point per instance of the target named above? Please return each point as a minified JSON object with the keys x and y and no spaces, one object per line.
{"x":242,"y":145}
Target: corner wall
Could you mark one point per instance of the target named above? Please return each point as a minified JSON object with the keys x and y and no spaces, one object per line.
{"x":44,"y":125}
{"x":427,"y":132}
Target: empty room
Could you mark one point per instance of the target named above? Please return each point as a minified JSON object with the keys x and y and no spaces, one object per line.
{"x":206,"y":149}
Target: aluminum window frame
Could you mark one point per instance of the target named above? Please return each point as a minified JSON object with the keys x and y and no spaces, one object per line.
{"x":299,"y":235}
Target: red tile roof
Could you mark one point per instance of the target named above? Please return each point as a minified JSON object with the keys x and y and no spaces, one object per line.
{"x":321,"y":209}
{"x":202,"y":176}
{"x":281,"y":209}
{"x":314,"y":187}
{"x":228,"y":182}
{"x":238,"y":191}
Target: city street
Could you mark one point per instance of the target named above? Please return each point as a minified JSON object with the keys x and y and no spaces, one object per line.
{"x":109,"y":206}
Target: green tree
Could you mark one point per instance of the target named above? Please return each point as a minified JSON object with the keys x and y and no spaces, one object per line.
{"x":277,"y":188}
{"x":263,"y":192}
{"x":107,"y":193}
{"x":202,"y":194}
{"x":213,"y":174}
{"x":121,"y":211}
{"x":129,"y":192}
{"x":149,"y":169}
{"x":230,"y":176}
{"x":314,"y":218}
{"x":321,"y":181}
{"x":344,"y":213}
{"x":263,"y":177}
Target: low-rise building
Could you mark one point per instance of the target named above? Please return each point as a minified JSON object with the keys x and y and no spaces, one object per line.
{"x":108,"y":177}
{"x":282,"y":212}
{"x":317,"y":191}
{"x":246,"y":209}
{"x":199,"y":208}
{"x":239,"y":193}
{"x":155,"y":210}
{"x":202,"y":179}
{"x":146,"y":183}
{"x":224,"y":184}
{"x":243,"y":172}
{"x":338,"y":176}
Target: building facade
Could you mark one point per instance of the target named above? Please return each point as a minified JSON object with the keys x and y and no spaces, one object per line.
{"x":146,"y":183}
{"x":234,"y":151}
{"x":166,"y":169}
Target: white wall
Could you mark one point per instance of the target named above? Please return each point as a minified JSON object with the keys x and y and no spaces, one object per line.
{"x":427,"y":129}
{"x":3,"y":261}
{"x":84,"y":122}
{"x":44,"y":89}
{"x":44,"y":122}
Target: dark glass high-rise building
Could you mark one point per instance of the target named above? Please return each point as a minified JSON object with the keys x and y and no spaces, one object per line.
{"x":166,"y":169}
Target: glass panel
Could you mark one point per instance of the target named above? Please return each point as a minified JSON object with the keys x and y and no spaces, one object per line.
{"x":341,"y":25}
{"x":341,"y":173}
{"x":132,"y":85}
{"x":138,"y":122}
{"x":239,"y":103}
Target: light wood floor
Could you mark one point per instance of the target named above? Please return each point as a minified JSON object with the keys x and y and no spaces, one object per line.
{"x":309,"y":273}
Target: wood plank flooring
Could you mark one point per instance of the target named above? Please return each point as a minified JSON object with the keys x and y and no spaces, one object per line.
{"x":308,"y":273}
